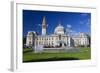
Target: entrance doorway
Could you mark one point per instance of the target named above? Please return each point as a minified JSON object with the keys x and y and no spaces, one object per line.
{"x":60,"y":45}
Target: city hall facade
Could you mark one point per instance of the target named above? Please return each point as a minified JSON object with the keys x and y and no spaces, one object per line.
{"x":57,"y":39}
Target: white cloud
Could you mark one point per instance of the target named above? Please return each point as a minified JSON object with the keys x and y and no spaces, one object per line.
{"x":86,"y":22}
{"x":81,"y":22}
{"x":69,"y":26}
{"x":39,"y":25}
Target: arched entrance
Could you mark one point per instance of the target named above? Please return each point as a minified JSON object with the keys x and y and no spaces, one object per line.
{"x":61,"y":43}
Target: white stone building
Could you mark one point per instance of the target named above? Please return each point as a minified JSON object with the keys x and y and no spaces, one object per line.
{"x":58,"y":39}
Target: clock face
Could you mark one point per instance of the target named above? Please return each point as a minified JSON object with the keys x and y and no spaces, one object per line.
{"x":44,"y":26}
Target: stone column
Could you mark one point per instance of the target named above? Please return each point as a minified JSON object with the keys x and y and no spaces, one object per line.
{"x":35,"y":44}
{"x":68,"y":41}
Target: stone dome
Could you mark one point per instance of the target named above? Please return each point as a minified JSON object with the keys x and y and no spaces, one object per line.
{"x":59,"y":30}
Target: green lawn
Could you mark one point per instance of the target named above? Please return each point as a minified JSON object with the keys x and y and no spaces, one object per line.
{"x":30,"y":56}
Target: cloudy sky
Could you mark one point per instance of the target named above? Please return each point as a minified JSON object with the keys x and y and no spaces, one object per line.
{"x":76,"y":22}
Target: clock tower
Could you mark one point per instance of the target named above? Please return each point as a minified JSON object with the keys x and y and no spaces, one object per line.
{"x":44,"y":26}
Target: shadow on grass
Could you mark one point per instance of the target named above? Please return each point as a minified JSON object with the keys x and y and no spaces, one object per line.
{"x":52,"y":59}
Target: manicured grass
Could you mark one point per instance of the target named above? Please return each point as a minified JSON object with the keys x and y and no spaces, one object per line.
{"x":29,"y":56}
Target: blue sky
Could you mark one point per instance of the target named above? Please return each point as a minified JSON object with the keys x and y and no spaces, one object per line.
{"x":77,"y":22}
